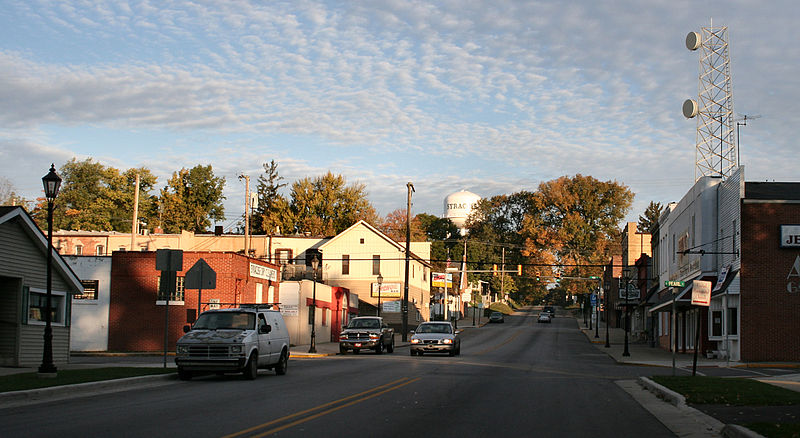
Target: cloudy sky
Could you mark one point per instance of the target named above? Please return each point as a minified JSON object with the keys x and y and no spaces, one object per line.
{"x":492,"y":97}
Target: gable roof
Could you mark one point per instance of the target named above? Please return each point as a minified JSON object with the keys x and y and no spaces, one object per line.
{"x":39,"y":239}
{"x":379,"y":234}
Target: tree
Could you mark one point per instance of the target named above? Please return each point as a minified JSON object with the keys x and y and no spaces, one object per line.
{"x":326,"y":205}
{"x":574,"y":224}
{"x":97,"y":197}
{"x":191,"y":199}
{"x":394,"y":226}
{"x":272,"y":215}
{"x":648,"y":222}
{"x":8,"y":194}
{"x":443,"y":235}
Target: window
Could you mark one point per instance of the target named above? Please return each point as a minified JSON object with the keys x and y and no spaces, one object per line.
{"x":89,"y":290}
{"x":78,"y":249}
{"x":361,"y":241}
{"x":376,"y":264}
{"x":100,"y":250}
{"x":345,"y":264}
{"x":733,"y":321}
{"x":716,"y":323}
{"x":174,"y":296}
{"x":37,"y":307}
{"x":283,"y":256}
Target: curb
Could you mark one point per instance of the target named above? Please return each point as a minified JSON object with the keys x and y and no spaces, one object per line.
{"x":663,"y":392}
{"x":78,"y":389}
{"x":309,"y":355}
{"x":736,"y":431}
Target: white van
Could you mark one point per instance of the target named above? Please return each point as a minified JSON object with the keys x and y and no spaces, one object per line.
{"x":242,"y":340}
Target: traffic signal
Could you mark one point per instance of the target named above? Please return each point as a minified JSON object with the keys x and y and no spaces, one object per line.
{"x":519,"y":270}
{"x":494,"y":269}
{"x":537,"y":277}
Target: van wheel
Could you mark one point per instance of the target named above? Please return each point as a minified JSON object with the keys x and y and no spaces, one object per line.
{"x":251,"y":369}
{"x":184,"y":375}
{"x":283,"y":364}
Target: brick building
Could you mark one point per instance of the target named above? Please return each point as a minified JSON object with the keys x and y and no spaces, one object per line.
{"x":137,"y":313}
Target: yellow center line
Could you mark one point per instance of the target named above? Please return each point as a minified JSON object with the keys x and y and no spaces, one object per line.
{"x":322,"y":406}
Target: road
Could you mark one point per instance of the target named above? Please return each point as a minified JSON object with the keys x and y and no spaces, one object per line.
{"x":519,"y":378}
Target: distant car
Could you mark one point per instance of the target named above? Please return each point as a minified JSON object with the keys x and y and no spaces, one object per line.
{"x":435,"y":337}
{"x":544,"y":317}
{"x":496,"y":317}
{"x":550,"y":310}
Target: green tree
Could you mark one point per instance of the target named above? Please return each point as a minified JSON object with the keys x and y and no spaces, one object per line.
{"x":326,"y":205}
{"x":97,"y":197}
{"x":191,"y":200}
{"x":272,"y":215}
{"x":649,"y":221}
{"x":443,"y":235}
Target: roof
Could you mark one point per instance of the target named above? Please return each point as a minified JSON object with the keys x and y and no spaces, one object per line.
{"x":789,"y":191}
{"x":380,"y":234}
{"x":7,"y":214}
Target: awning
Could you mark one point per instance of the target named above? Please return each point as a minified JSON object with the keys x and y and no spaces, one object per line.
{"x":666,"y":306}
{"x":727,"y":282}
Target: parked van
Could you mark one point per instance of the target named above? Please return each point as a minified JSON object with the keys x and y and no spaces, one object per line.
{"x":241,"y":340}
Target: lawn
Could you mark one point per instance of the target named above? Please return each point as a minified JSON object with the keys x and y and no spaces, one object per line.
{"x":24,"y":381}
{"x":728,"y":391}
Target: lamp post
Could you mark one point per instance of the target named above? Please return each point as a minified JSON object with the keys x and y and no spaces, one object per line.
{"x":380,"y":282}
{"x":314,"y":264}
{"x":51,"y":182}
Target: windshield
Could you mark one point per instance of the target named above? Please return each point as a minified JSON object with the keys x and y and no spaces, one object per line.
{"x":226,"y":320}
{"x":364,"y":323}
{"x":434,"y":328}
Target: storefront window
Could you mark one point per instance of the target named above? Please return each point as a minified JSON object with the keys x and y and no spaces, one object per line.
{"x":716,"y":323}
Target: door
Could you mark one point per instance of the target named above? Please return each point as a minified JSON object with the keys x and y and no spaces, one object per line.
{"x":264,"y":347}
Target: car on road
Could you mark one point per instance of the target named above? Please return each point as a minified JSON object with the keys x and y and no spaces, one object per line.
{"x":550,"y":310}
{"x":240,"y":340}
{"x":544,"y":317}
{"x":366,"y":333}
{"x":435,"y":337}
{"x":496,"y":317}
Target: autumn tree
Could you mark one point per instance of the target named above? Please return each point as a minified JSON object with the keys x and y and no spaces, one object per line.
{"x":327,"y":205}
{"x":394,"y":226}
{"x":272,"y":215}
{"x":191,"y":200}
{"x":575,"y":222}
{"x":649,"y":221}
{"x":9,"y":196}
{"x":97,"y":197}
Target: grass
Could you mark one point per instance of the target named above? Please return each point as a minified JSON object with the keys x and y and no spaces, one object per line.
{"x":776,"y":430}
{"x":728,"y":391}
{"x":25,"y":381}
{"x":500,"y":307}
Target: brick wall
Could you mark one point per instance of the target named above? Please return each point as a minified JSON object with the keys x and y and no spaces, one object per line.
{"x":136,"y":322}
{"x":770,"y":314}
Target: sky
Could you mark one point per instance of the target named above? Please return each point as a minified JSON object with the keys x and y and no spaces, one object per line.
{"x":491,"y":97}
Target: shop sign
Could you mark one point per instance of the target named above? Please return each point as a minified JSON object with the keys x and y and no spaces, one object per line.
{"x":388,"y":290}
{"x":790,"y":236}
{"x":701,"y":293}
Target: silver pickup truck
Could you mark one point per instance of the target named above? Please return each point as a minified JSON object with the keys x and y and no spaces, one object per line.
{"x":367,"y":333}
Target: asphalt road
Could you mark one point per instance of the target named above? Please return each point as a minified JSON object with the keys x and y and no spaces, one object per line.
{"x":516,"y":379}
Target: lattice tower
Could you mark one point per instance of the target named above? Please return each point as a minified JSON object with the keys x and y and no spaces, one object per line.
{"x":716,"y":151}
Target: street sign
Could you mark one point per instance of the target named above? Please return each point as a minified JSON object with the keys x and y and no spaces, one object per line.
{"x":169,"y":260}
{"x":594,"y":299}
{"x":630,"y":293}
{"x":701,"y":293}
{"x":200,"y":276}
{"x":673,"y":283}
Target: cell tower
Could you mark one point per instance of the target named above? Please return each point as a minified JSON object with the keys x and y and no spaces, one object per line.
{"x":716,"y":152}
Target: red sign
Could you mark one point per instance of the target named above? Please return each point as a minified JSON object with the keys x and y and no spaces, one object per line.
{"x":701,"y":293}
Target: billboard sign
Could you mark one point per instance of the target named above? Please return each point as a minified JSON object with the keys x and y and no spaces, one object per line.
{"x":438,"y":279}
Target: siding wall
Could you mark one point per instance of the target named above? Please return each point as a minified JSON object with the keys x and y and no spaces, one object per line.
{"x":21,"y":257}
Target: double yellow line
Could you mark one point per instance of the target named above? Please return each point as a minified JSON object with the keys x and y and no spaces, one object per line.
{"x":321,"y":410}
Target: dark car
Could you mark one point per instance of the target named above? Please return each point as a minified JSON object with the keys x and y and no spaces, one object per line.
{"x":496,"y":317}
{"x":550,"y":310}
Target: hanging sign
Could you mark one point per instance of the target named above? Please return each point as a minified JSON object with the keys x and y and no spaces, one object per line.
{"x":701,"y":293}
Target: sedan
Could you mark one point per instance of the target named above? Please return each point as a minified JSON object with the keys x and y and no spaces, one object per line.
{"x":496,"y":317}
{"x":435,"y":337}
{"x":544,"y":317}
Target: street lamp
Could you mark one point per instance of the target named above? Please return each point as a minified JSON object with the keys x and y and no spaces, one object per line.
{"x":380,"y":282}
{"x":314,"y":264}
{"x":51,"y":182}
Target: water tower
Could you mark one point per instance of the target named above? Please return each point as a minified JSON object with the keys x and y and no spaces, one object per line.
{"x":458,"y":206}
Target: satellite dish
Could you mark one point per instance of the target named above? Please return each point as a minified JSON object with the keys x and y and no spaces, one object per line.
{"x":693,"y":41}
{"x":689,"y":108}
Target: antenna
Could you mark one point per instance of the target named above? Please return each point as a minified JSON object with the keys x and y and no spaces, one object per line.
{"x":716,"y":154}
{"x":742,"y":121}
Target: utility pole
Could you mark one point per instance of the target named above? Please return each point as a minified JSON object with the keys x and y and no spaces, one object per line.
{"x":135,"y":222}
{"x":246,"y":214}
{"x":408,"y":253}
{"x":503,"y":276}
